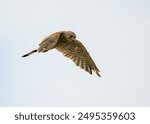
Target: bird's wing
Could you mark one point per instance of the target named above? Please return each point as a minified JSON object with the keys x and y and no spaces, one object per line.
{"x":78,"y":53}
{"x":49,"y":42}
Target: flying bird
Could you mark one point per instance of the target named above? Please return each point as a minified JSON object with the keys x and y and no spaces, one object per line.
{"x":66,"y":42}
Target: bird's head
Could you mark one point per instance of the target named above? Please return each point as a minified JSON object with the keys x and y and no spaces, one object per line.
{"x":69,"y":35}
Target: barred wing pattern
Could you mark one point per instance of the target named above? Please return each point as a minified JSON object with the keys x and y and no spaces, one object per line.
{"x":78,"y":53}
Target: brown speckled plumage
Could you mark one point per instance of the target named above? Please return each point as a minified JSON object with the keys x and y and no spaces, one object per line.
{"x":66,"y":42}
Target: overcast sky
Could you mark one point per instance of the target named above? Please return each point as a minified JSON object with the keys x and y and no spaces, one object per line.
{"x":115,"y":32}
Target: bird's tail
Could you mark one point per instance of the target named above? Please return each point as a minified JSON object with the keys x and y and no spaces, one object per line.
{"x":29,"y":53}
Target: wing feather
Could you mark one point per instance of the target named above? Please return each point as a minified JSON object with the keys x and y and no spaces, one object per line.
{"x":78,"y":53}
{"x":49,"y":42}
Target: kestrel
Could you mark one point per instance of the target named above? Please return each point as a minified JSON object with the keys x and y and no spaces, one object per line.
{"x":66,"y":42}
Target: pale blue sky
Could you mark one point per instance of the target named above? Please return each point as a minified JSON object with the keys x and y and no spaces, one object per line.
{"x":115,"y":32}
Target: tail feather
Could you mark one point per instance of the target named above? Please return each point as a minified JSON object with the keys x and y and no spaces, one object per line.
{"x":29,"y":53}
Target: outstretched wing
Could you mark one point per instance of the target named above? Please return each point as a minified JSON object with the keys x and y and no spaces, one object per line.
{"x":78,"y":53}
{"x":49,"y":42}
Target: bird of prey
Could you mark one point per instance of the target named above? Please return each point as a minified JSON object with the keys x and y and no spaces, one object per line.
{"x":66,"y":42}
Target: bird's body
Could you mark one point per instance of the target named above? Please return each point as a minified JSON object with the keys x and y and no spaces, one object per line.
{"x":66,"y":42}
